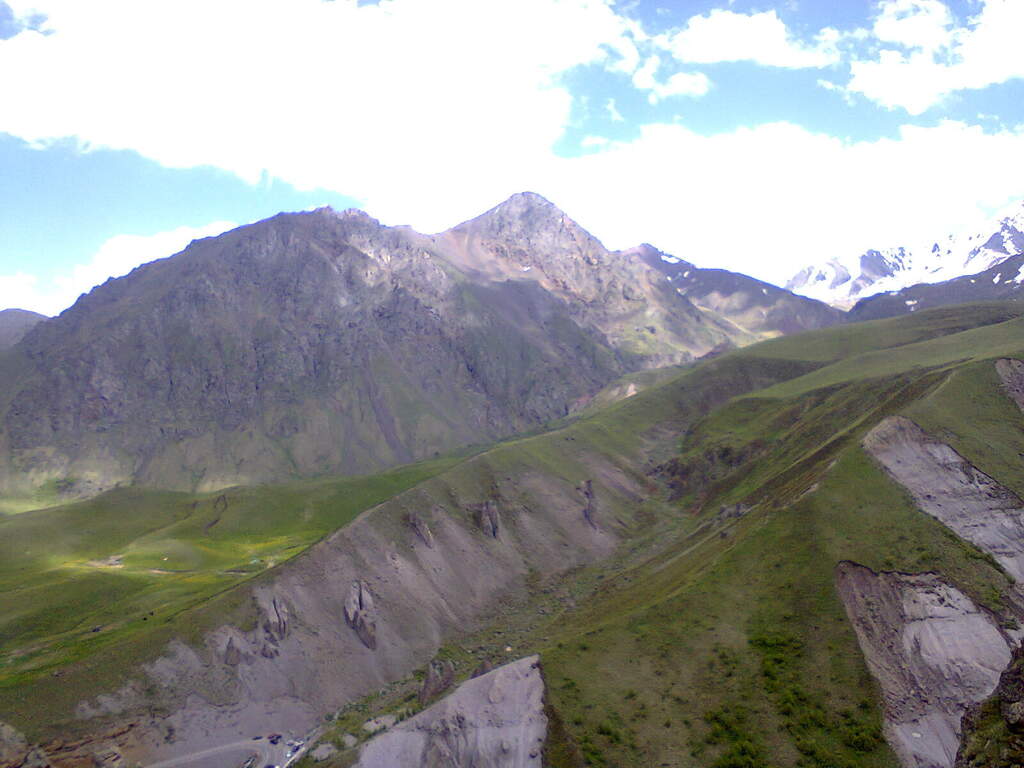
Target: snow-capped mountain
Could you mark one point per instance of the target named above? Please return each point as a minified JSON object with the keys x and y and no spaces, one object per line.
{"x":844,"y":281}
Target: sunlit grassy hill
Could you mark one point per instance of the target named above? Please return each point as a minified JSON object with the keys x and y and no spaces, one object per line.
{"x":712,"y":635}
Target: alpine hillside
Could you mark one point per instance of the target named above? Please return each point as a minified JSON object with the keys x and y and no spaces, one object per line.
{"x":323,"y":342}
{"x":805,"y":553}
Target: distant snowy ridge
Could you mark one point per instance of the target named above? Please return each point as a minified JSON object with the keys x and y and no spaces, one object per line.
{"x":844,"y":281}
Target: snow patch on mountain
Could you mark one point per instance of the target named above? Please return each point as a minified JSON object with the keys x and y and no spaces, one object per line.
{"x":843,"y":281}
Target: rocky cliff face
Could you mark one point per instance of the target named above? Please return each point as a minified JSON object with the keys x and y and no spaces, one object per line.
{"x":932,"y":651}
{"x":936,"y":654}
{"x":324,"y":342}
{"x":494,"y":721}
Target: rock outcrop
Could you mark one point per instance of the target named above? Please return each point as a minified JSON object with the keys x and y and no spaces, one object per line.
{"x":950,"y":489}
{"x":420,"y":528}
{"x":589,"y":511}
{"x":932,"y":651}
{"x":493,"y":721}
{"x":993,"y":730}
{"x":439,"y":678}
{"x":488,"y":517}
{"x":1011,"y":372}
{"x":360,"y":613}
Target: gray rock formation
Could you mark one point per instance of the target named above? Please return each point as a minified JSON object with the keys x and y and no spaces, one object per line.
{"x":950,"y":489}
{"x":361,"y":614}
{"x":493,"y":721}
{"x":420,"y":528}
{"x":439,"y":678}
{"x":932,"y":651}
{"x":488,"y":518}
{"x":1011,"y":372}
{"x":589,"y":511}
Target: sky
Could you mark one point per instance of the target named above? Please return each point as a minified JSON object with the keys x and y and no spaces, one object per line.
{"x":754,"y":136}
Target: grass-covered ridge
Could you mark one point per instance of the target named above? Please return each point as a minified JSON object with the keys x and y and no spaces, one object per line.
{"x":78,"y":578}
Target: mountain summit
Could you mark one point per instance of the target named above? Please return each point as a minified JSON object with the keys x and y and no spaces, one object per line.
{"x":325,"y":342}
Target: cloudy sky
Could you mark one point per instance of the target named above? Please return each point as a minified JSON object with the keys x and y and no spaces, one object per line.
{"x":757,"y":136}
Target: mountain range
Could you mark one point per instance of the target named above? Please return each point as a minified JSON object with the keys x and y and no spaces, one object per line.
{"x":320,"y":491}
{"x":844,"y":281}
{"x":324,"y":342}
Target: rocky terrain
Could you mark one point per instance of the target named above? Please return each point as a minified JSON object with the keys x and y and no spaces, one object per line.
{"x":496,"y":720}
{"x":950,"y":489}
{"x":14,"y":324}
{"x":323,"y":342}
{"x":759,"y":308}
{"x":619,"y":546}
{"x":931,"y":649}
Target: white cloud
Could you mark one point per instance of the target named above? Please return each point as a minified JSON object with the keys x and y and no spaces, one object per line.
{"x":772,"y":199}
{"x":431,"y":112}
{"x":925,"y":24}
{"x":613,"y":111}
{"x":679,"y":84}
{"x":320,"y":94}
{"x":936,"y":57}
{"x":117,"y":256}
{"x":762,"y":38}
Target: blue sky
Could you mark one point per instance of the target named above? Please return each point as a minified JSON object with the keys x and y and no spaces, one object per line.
{"x":758,"y":136}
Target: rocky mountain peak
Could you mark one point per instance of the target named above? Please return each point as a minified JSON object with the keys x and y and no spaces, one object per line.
{"x":533,"y":221}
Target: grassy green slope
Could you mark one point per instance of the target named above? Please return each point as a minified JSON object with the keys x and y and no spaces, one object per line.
{"x":78,"y":579}
{"x":53,"y":596}
{"x":732,"y":649}
{"x":727,"y":646}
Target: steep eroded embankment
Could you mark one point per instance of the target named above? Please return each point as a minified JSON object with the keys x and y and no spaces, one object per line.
{"x":949,"y":488}
{"x":496,"y":720}
{"x":932,"y":651}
